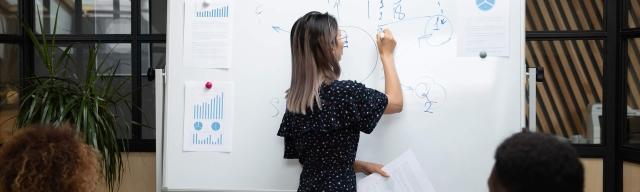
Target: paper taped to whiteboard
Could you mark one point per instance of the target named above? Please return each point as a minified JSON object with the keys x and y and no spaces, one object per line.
{"x":208,"y":116}
{"x":485,"y":25}
{"x":208,"y":33}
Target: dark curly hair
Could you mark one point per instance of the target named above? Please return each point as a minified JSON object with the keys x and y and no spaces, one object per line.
{"x":43,"y":158}
{"x":534,"y":162}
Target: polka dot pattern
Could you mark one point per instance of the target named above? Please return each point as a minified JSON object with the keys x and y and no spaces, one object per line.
{"x":325,"y":140}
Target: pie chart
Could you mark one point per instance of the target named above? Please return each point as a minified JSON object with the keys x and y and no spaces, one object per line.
{"x":485,"y":5}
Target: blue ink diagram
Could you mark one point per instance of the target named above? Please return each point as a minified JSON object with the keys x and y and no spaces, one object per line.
{"x":425,"y":23}
{"x":207,"y":123}
{"x":424,"y":29}
{"x":429,"y":93}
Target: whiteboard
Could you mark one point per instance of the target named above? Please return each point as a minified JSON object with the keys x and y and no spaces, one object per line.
{"x":457,"y":109}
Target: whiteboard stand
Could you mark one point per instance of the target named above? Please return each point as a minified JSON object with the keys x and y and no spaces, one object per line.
{"x":593,"y":130}
{"x":160,"y":83}
{"x":534,"y":75}
{"x":531,"y":80}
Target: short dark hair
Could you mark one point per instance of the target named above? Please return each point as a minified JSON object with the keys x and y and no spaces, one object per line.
{"x":528,"y":162}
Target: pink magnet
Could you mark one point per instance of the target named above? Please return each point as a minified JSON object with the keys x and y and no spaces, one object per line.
{"x":208,"y":85}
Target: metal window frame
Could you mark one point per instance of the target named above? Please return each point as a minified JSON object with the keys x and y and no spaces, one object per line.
{"x":615,"y":35}
{"x":135,"y":38}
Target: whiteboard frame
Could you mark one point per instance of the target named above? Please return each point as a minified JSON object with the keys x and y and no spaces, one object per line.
{"x":175,"y":15}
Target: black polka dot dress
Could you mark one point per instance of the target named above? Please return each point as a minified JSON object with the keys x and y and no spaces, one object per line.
{"x":325,"y":141}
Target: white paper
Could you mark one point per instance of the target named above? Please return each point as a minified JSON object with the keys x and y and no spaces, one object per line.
{"x":208,"y":33}
{"x":485,"y":27}
{"x":208,"y":116}
{"x":406,"y":175}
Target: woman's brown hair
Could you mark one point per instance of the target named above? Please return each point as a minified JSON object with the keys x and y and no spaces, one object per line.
{"x":43,"y":158}
{"x":313,"y":59}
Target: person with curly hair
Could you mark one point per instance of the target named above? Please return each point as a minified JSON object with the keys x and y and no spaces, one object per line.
{"x":44,"y":158}
{"x":534,"y":162}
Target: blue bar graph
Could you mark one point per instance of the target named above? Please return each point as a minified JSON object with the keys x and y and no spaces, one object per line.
{"x":222,"y":107}
{"x":208,"y":140}
{"x":212,"y":109}
{"x":220,"y":12}
{"x":207,"y":118}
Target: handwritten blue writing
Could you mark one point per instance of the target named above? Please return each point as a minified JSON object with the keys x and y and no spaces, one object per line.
{"x":397,"y":10}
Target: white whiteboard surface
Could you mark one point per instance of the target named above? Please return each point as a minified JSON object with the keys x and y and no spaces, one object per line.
{"x":472,"y":104}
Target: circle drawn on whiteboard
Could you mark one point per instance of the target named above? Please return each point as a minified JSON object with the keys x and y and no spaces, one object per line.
{"x":360,"y":54}
{"x":437,"y":31}
{"x":197,"y":125}
{"x":485,"y":5}
{"x":215,"y":126}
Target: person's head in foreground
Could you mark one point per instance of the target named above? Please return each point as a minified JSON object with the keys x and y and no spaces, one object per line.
{"x":43,"y":158}
{"x":535,"y":162}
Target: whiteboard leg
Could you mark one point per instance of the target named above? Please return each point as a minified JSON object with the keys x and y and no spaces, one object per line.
{"x":159,"y":85}
{"x":531,"y":80}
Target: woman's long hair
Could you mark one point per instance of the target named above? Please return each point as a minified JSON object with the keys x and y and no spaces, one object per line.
{"x":313,"y":59}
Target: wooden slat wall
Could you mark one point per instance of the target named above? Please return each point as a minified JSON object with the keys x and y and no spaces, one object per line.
{"x":573,"y":68}
{"x":573,"y":81}
{"x":564,"y":15}
{"x":633,"y":14}
{"x":633,"y":50}
{"x":633,"y":75}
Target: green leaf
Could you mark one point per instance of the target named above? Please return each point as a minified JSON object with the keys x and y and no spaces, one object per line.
{"x":60,"y":97}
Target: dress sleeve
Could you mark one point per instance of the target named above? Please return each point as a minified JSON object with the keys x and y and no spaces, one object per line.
{"x":290,"y":148}
{"x":368,"y":105}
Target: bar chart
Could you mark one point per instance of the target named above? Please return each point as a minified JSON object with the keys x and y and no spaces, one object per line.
{"x":207,"y":139}
{"x":213,"y":108}
{"x":208,"y":116}
{"x":211,"y":111}
{"x":221,"y":12}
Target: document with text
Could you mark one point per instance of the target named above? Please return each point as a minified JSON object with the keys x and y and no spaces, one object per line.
{"x":406,"y":175}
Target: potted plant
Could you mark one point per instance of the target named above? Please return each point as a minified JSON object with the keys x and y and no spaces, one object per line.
{"x":88,"y":100}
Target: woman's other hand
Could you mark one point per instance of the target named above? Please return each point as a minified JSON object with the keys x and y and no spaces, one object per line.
{"x":369,"y":168}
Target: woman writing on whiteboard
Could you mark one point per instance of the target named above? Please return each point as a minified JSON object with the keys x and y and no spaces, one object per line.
{"x":324,"y":115}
